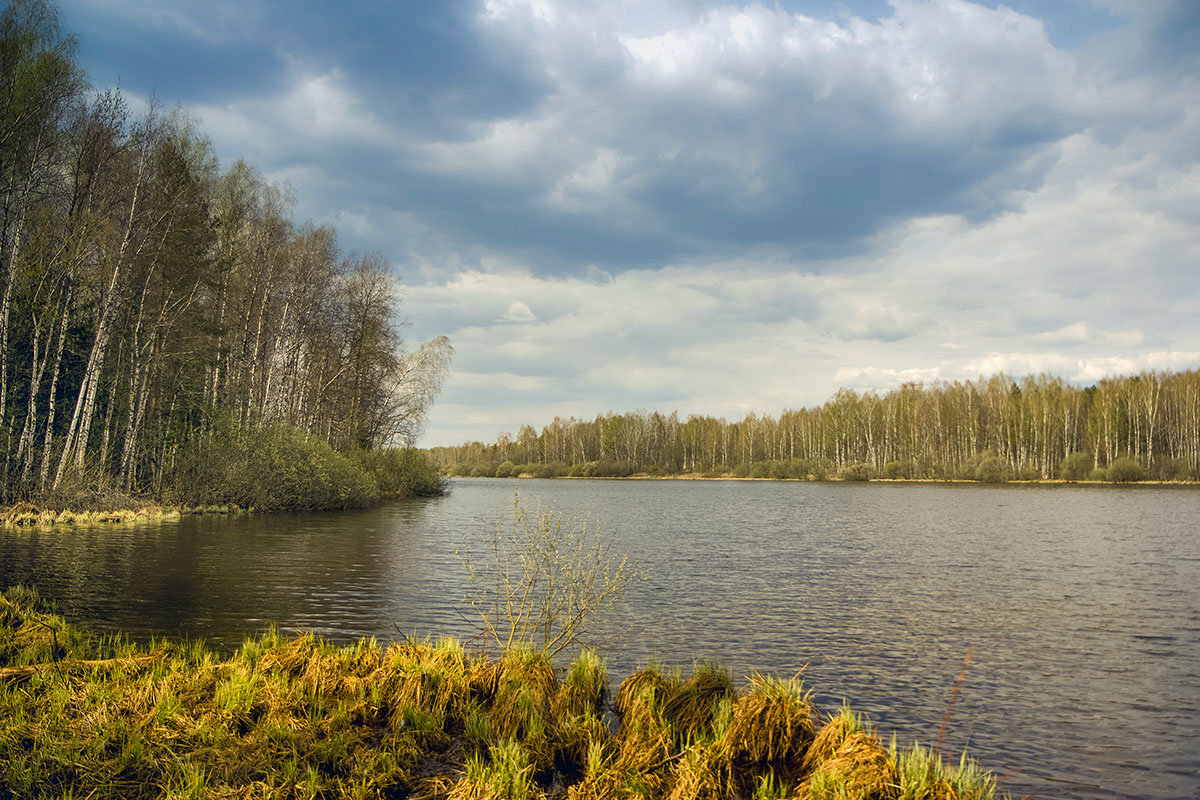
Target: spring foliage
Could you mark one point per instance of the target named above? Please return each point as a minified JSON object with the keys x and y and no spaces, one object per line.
{"x":150,"y":295}
{"x":991,"y":429}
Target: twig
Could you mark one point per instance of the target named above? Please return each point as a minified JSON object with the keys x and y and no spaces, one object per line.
{"x":54,"y":653}
{"x":32,"y":669}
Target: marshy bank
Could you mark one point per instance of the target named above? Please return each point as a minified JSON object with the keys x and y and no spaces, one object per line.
{"x":298,"y":717}
{"x":266,"y":467}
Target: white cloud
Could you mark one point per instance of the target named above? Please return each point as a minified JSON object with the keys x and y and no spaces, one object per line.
{"x":1075,"y":332}
{"x":518,"y":312}
{"x":1073,"y":282}
{"x":885,"y":377}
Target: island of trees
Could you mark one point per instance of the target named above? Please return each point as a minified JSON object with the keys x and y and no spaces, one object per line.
{"x":1129,"y":428}
{"x":166,"y":327}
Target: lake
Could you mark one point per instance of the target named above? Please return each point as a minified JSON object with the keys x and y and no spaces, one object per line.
{"x":1080,"y":606}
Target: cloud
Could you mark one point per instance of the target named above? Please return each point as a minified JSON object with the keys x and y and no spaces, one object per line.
{"x":1075,"y":332}
{"x":887,"y":322}
{"x":721,"y":207}
{"x":518,"y":312}
{"x":750,"y":124}
{"x":884,"y":377}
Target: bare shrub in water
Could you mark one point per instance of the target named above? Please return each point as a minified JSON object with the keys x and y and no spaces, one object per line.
{"x":542,"y":579}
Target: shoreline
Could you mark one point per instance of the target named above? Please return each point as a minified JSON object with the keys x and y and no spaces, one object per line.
{"x":954,"y":481}
{"x":30,"y":515}
{"x":297,"y":716}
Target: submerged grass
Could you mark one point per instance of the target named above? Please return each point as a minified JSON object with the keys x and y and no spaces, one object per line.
{"x":295,"y":717}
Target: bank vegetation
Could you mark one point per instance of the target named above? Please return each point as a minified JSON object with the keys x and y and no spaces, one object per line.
{"x":167,"y":328}
{"x":296,"y":717}
{"x":1121,"y":429}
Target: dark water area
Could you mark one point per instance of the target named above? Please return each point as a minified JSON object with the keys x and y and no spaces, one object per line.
{"x":1080,"y":606}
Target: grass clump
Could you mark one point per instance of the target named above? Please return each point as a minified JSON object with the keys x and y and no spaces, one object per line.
{"x":923,"y":774}
{"x":290,"y":717}
{"x":772,"y":723}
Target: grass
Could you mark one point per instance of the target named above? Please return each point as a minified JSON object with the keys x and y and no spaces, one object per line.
{"x":296,"y":717}
{"x":30,"y":515}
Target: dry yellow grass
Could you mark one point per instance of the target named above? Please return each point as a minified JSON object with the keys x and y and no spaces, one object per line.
{"x":298,"y":717}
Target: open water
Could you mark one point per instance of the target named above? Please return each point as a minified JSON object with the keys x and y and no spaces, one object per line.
{"x":1080,"y":607}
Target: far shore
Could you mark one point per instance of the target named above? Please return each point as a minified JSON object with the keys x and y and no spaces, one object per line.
{"x":967,"y":481}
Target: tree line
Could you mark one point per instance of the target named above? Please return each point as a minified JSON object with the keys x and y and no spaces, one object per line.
{"x":997,"y":428}
{"x":152,"y":299}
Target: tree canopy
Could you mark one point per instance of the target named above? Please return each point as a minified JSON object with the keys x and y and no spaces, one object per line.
{"x":147,"y":291}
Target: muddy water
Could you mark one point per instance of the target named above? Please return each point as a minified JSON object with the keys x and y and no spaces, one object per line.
{"x":1080,"y":607}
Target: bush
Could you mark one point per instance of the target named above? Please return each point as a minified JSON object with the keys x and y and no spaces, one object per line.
{"x":541,"y":580}
{"x":761,"y":469}
{"x":610,"y":469}
{"x":1171,"y":469}
{"x":992,"y":469}
{"x":857,"y":471}
{"x":1076,"y":467}
{"x":1098,"y":474}
{"x":269,"y":466}
{"x":741,"y":471}
{"x":403,"y":472}
{"x":505,"y":469}
{"x":898,"y":470}
{"x":545,"y":470}
{"x":1126,"y":470}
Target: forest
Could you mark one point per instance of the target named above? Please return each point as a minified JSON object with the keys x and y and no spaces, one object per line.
{"x":166,"y":327}
{"x":993,"y":429}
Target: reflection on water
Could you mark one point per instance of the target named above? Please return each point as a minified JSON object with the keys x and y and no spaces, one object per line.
{"x":1082,"y":605}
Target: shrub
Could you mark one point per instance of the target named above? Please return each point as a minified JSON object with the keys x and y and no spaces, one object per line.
{"x":483,"y":471}
{"x":1171,"y":469}
{"x":1076,"y":466}
{"x":611,"y":469}
{"x":741,"y":471}
{"x":545,"y":470}
{"x":761,"y":469}
{"x":992,"y":469}
{"x":857,"y":471}
{"x":269,"y":466}
{"x":403,"y":472}
{"x":1098,"y":474}
{"x":542,"y":579}
{"x":505,"y":469}
{"x":1126,"y":470}
{"x":898,"y":469}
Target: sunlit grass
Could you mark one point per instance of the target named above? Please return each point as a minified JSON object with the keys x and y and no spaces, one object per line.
{"x":84,"y":716}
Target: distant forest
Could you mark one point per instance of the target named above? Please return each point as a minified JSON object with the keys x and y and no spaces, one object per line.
{"x":995,"y":429}
{"x":156,"y":308}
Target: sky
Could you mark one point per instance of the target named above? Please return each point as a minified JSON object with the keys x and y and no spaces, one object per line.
{"x":717,"y":207}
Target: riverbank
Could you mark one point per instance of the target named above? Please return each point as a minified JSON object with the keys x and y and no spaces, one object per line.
{"x":644,"y":476}
{"x":287,"y":473}
{"x":297,"y":717}
{"x":29,"y":515}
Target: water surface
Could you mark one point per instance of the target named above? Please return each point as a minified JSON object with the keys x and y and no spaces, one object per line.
{"x":1080,"y":606}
